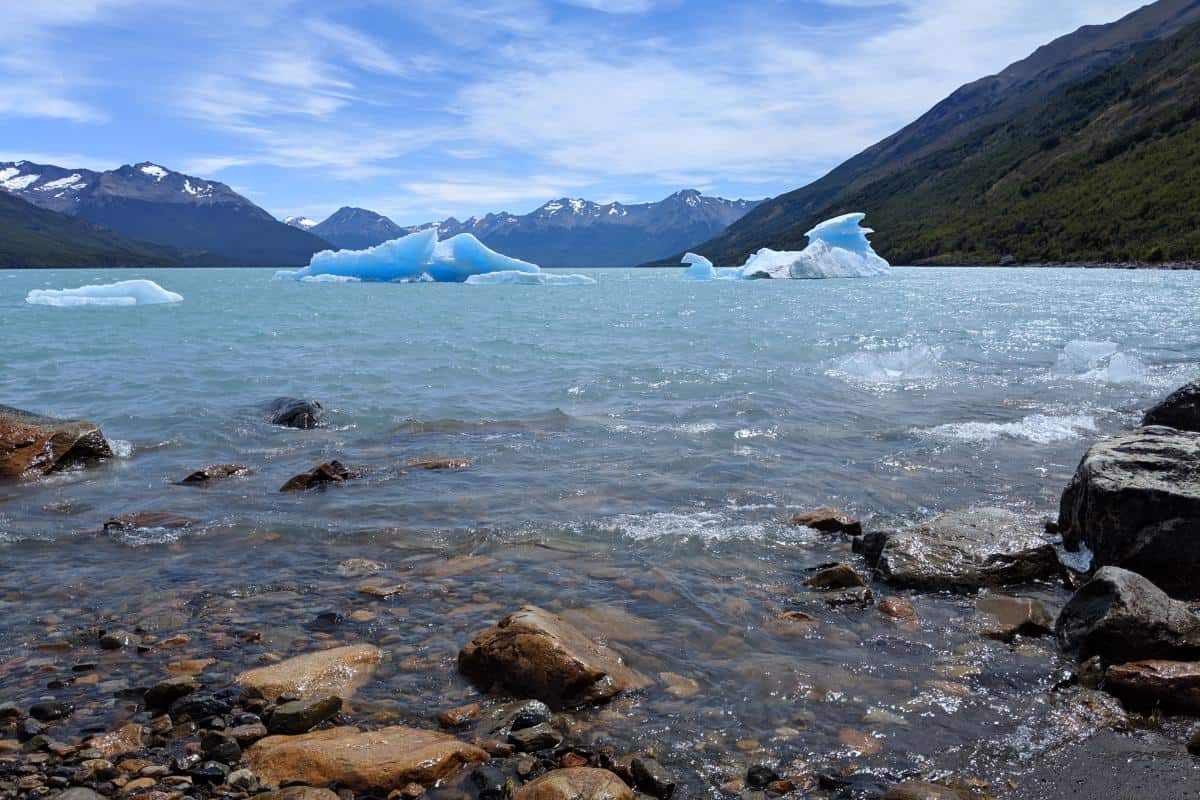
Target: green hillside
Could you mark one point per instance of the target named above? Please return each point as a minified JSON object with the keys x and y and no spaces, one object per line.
{"x":1105,"y":169}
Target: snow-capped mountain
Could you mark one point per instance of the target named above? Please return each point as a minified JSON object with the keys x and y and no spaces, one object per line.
{"x":568,"y":232}
{"x":154,"y":204}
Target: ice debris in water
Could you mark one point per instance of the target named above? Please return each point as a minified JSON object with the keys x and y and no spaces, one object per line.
{"x":121,"y":293}
{"x":1100,"y":362}
{"x":528,"y":279}
{"x":917,"y":363}
{"x":418,"y":257}
{"x":1037,"y":428}
{"x":838,"y":248}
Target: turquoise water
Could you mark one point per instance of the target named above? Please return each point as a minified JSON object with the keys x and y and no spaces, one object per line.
{"x":636,"y":446}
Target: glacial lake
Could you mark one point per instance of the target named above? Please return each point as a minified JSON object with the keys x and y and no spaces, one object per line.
{"x":636,"y":449}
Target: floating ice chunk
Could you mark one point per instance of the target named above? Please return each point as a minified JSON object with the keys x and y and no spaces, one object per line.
{"x":1100,"y":362}
{"x":416,"y":257}
{"x":917,"y":363}
{"x":528,"y":279}
{"x":838,"y":248}
{"x":122,"y":293}
{"x":330,"y":279}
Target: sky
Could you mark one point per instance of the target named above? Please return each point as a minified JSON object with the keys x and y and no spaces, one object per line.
{"x":422,"y":109}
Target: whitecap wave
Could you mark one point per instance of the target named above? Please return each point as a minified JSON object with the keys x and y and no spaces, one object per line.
{"x":1036,"y":428}
{"x":702,"y":525}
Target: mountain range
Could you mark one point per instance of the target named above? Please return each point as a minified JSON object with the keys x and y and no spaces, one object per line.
{"x":1085,"y":150}
{"x":568,"y":232}
{"x":205,"y":222}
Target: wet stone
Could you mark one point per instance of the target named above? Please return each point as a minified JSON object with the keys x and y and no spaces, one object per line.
{"x":293,"y":412}
{"x":920,"y":790}
{"x":301,"y":716}
{"x":320,"y":475}
{"x":218,"y":746}
{"x":1006,"y":618}
{"x":459,"y":716}
{"x":440,"y":463}
{"x":211,"y":772}
{"x":760,"y":775}
{"x":829,"y":520}
{"x":578,"y":783}
{"x":898,"y":608}
{"x":217,"y":472}
{"x":835,"y":576}
{"x":47,"y":712}
{"x":537,"y":737}
{"x":164,"y":693}
{"x":143,"y":520}
{"x":651,"y":778}
{"x":489,"y":782}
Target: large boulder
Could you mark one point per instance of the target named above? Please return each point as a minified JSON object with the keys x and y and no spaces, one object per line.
{"x":340,"y":672}
{"x":576,"y":783}
{"x":374,"y":761}
{"x":1156,"y":684}
{"x":961,"y":551}
{"x":1180,"y":410}
{"x":1135,"y":503}
{"x":34,"y":445}
{"x":1120,"y":616}
{"x":533,"y":653}
{"x":292,"y":412}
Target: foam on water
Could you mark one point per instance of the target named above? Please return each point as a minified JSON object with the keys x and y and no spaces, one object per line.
{"x":917,"y":363}
{"x":711,"y":526}
{"x":1037,"y":428}
{"x":121,"y":293}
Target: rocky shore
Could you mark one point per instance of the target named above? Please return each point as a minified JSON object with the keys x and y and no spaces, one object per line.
{"x":535,"y":700}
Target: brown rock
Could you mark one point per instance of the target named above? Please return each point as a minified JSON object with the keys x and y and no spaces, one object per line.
{"x":320,"y":475}
{"x":679,"y":685}
{"x":374,"y":761}
{"x":191,"y":666}
{"x":457,"y":717}
{"x":125,"y":739}
{"x":829,"y":520}
{"x":533,"y":653}
{"x":860,"y":741}
{"x":837,"y":576}
{"x":576,"y":783}
{"x":148,"y":519}
{"x":35,"y":445}
{"x":218,"y":472}
{"x":340,"y":671}
{"x":794,"y":623}
{"x":299,"y":793}
{"x":441,"y":463}
{"x":1006,"y":618}
{"x":898,"y":608}
{"x":1169,"y":685}
{"x":920,"y":790}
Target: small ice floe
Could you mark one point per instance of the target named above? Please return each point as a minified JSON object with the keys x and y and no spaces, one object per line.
{"x":1099,"y":362}
{"x":121,"y":293}
{"x":510,"y":277}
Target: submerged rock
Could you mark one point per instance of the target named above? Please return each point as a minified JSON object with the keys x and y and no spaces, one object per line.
{"x":301,"y":716}
{"x":1156,"y":684}
{"x":1120,"y":616}
{"x":34,"y":445}
{"x":1006,"y":618}
{"x":1135,"y":503}
{"x":961,"y":550}
{"x":829,"y":520}
{"x":217,"y":472}
{"x":1180,"y":409}
{"x":576,"y":783}
{"x":533,"y":653}
{"x":145,"y":520}
{"x":291,"y":412}
{"x":373,"y":761}
{"x":441,"y":463}
{"x":921,"y":790}
{"x":320,"y":475}
{"x":835,"y":576}
{"x":340,"y":671}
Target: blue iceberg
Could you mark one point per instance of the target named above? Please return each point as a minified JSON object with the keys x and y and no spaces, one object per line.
{"x":121,"y":293}
{"x":838,"y":248}
{"x":418,"y":257}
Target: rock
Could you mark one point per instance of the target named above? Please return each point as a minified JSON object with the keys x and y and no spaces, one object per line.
{"x":163,"y":693}
{"x":242,"y":779}
{"x":576,"y":783}
{"x":920,"y":790}
{"x":1006,"y":618}
{"x":1121,"y":616}
{"x":375,"y":761}
{"x":898,"y":608}
{"x":320,"y":475}
{"x":1135,"y":503}
{"x":1156,"y":684}
{"x":679,"y":685}
{"x":340,"y":671}
{"x":34,"y":445}
{"x":359,"y":568}
{"x":299,"y":793}
{"x":248,"y":733}
{"x":533,"y":653}
{"x":77,"y":793}
{"x":291,"y":412}
{"x":301,"y":716}
{"x":489,"y":782}
{"x":1180,"y":410}
{"x":759,"y":776}
{"x":210,"y":772}
{"x":836,"y":576}
{"x":143,"y":520}
{"x":441,"y":463}
{"x":503,"y":720}
{"x":125,"y":739}
{"x":1194,"y":743}
{"x":200,"y":706}
{"x":29,"y":729}
{"x":460,"y":716}
{"x":219,"y":746}
{"x":650,"y":777}
{"x":217,"y":472}
{"x":115,"y":640}
{"x":961,"y":551}
{"x":538,"y":737}
{"x":829,"y":520}
{"x":48,"y":712}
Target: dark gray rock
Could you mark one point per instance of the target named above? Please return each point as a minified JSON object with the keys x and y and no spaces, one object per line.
{"x":489,"y":783}
{"x":759,"y":775}
{"x":292,"y":412}
{"x":1181,"y":409}
{"x":1120,"y":616}
{"x":47,"y":712}
{"x":499,"y":722}
{"x":216,"y":472}
{"x":1135,"y":503}
{"x":651,"y":778}
{"x":320,"y":475}
{"x":163,"y":693}
{"x":961,"y":551}
{"x":301,"y":716}
{"x":538,"y":737}
{"x":142,"y":520}
{"x":77,"y":793}
{"x":218,"y":746}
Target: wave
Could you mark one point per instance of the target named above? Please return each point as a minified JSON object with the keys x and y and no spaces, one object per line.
{"x":1100,"y":362}
{"x":551,"y":421}
{"x":1036,"y":428}
{"x":916,"y":364}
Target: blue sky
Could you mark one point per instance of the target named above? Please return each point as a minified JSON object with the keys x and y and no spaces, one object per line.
{"x":421,"y":109}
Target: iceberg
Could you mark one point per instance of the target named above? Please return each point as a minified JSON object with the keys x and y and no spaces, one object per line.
{"x":509,"y":277}
{"x":121,"y":293}
{"x":417,"y":257}
{"x":838,"y":248}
